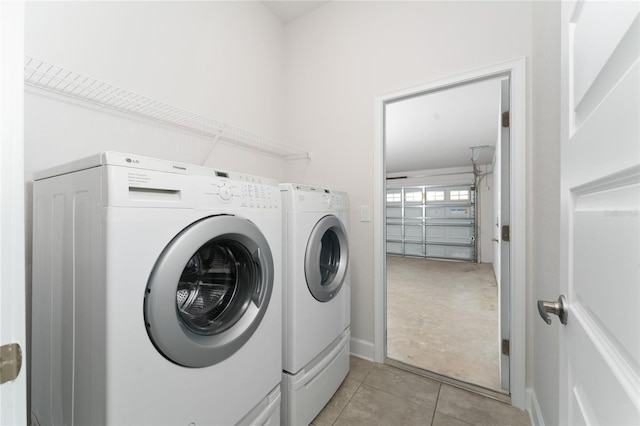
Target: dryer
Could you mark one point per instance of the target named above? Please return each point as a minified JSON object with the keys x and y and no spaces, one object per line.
{"x":156,"y":295}
{"x":316,"y":299}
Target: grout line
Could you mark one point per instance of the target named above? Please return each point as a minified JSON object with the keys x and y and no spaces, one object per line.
{"x":435,"y":408}
{"x":345,"y":405}
{"x":360,"y":383}
{"x":367,"y":375}
{"x":448,"y":415}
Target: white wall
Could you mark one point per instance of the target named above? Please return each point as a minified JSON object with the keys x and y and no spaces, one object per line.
{"x":544,"y":211}
{"x":343,"y":54}
{"x":222,"y":60}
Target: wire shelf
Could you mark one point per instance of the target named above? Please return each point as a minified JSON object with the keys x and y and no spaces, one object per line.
{"x":61,"y":81}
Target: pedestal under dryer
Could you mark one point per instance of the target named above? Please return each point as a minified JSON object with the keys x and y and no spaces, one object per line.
{"x":316,"y":301}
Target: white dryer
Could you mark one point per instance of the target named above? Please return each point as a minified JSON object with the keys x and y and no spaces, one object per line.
{"x":316,"y":299}
{"x":156,"y":295}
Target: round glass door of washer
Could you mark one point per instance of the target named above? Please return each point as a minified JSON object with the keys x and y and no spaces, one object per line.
{"x":326,"y":258}
{"x":209,"y":291}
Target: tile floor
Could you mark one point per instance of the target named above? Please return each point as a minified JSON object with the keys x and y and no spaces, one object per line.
{"x":377,"y":394}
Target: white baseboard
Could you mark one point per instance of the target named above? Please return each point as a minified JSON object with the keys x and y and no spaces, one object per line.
{"x":362,"y":349}
{"x":535,"y":414}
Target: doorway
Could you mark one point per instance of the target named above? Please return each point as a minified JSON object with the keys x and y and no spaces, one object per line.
{"x":513,"y":316}
{"x":443,"y":293}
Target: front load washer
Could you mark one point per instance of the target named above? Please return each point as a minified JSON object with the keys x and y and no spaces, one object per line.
{"x":316,"y":299}
{"x":156,"y":295}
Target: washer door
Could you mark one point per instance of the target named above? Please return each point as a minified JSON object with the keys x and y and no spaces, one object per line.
{"x":208,"y":291}
{"x":326,"y":258}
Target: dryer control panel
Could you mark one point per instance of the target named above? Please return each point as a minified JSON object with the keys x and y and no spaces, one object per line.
{"x":311,"y":198}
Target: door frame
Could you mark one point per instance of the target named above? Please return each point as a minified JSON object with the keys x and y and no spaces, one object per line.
{"x":516,"y":68}
{"x":13,"y":395}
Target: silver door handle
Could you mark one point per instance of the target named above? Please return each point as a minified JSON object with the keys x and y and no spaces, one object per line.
{"x":559,"y":308}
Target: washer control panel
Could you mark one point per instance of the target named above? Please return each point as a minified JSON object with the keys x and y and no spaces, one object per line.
{"x":239,"y":190}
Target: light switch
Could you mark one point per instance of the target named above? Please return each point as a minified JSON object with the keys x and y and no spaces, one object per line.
{"x":365,"y":213}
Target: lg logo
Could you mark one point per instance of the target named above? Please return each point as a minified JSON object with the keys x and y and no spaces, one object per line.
{"x":131,"y":160}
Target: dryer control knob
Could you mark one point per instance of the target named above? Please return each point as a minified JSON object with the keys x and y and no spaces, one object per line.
{"x":224,"y":192}
{"x":331,"y":202}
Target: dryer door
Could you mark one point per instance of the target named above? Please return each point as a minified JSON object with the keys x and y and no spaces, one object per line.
{"x":208,"y":291}
{"x":326,"y":258}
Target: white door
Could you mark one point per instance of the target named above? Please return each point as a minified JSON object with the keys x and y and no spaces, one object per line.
{"x":600,"y":217}
{"x":13,"y":393}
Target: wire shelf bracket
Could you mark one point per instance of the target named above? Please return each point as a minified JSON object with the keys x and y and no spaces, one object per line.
{"x":71,"y":84}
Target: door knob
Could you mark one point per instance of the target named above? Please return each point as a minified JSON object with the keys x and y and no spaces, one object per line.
{"x":557,"y":308}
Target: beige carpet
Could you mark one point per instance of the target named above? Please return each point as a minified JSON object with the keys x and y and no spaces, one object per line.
{"x":443,"y":317}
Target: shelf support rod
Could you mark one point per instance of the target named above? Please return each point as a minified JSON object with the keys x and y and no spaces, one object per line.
{"x":213,"y":144}
{"x":302,"y":156}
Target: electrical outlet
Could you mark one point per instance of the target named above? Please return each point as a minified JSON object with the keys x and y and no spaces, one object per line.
{"x":365,"y":213}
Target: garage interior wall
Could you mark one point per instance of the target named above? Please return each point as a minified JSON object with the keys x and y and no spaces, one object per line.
{"x":310,"y":83}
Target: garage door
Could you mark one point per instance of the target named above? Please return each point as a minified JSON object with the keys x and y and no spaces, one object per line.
{"x":433,"y":222}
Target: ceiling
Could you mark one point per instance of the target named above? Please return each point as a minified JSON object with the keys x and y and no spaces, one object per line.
{"x":287,"y":11}
{"x":436,"y":130}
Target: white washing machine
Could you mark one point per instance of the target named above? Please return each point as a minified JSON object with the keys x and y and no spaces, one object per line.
{"x":156,"y":295}
{"x":316,"y":299}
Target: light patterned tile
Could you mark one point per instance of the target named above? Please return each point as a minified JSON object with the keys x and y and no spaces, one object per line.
{"x":404,"y":384}
{"x":373,"y":407}
{"x":359,"y":368}
{"x":336,"y":404}
{"x":440,"y":419}
{"x":478,"y":410}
